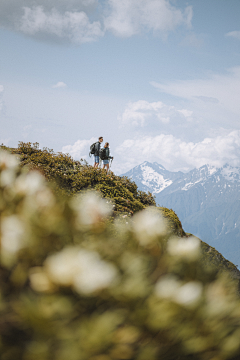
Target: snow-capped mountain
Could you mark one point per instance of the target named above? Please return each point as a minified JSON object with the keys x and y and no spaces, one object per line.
{"x":207,"y":201}
{"x":152,"y":177}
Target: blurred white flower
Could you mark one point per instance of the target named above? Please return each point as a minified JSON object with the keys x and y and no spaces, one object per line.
{"x":189,"y":293}
{"x":39,"y":280}
{"x":12,"y":238}
{"x":94,"y":273}
{"x":12,"y":232}
{"x":169,"y":287}
{"x":7,"y":177}
{"x":91,"y":208}
{"x":184,"y":248}
{"x":44,"y":198}
{"x":8,"y":161}
{"x":29,"y":183}
{"x":82,"y":269}
{"x":8,"y":165}
{"x":148,"y":225}
{"x":62,"y":267}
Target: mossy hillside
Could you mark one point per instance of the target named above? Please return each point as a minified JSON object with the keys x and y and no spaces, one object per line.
{"x":211,"y":256}
{"x":174,"y":223}
{"x":74,"y":176}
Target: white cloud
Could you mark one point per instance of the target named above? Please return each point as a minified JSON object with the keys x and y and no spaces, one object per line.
{"x":138,"y":112}
{"x":80,"y":149}
{"x":69,"y":20}
{"x":175,"y":154}
{"x":59,"y":20}
{"x":129,"y":17}
{"x":142,"y":113}
{"x":73,"y":26}
{"x":234,"y":34}
{"x":59,"y":84}
{"x":214,"y":99}
{"x":186,"y":113}
{"x":11,"y":11}
{"x":151,"y":118}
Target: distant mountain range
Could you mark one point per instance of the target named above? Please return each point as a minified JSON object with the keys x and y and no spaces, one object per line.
{"x":206,"y":200}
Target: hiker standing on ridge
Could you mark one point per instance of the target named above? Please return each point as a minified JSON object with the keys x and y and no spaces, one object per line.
{"x":96,"y":151}
{"x":105,"y":156}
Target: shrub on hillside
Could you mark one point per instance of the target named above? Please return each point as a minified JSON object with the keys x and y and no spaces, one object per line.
{"x":75,"y":286}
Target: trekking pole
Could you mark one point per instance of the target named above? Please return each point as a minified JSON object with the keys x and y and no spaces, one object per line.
{"x":110,"y":163}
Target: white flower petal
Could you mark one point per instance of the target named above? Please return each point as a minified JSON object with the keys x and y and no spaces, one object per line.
{"x":30,"y":183}
{"x":62,"y":267}
{"x":91,"y":208}
{"x":167,"y":287}
{"x":189,"y":293}
{"x":148,"y":225}
{"x":184,"y":248}
{"x":12,"y":231}
{"x":82,"y":269}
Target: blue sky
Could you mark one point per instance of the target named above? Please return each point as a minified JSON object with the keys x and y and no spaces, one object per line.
{"x":158,"y":79}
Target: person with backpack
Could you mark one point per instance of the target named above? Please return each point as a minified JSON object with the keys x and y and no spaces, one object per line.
{"x":105,"y":156}
{"x":95,"y":150}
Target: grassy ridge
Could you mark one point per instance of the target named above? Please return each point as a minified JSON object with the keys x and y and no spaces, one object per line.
{"x":74,"y":176}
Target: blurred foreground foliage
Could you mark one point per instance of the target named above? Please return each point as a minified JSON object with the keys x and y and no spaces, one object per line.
{"x":76,"y":286}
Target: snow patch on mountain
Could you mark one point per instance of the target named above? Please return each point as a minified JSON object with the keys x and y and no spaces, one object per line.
{"x":154,"y":180}
{"x":187,"y":186}
{"x":211,"y":169}
{"x":230,"y":173}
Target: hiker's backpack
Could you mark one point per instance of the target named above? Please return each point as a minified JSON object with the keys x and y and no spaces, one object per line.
{"x":92,"y":149}
{"x":102,"y":154}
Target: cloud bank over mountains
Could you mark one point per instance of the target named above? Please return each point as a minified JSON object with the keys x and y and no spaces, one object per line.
{"x":175,"y":154}
{"x":169,"y":151}
{"x":81,"y":21}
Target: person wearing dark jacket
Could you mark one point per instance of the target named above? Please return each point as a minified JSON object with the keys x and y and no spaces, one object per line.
{"x":97,"y":150}
{"x":106,"y":156}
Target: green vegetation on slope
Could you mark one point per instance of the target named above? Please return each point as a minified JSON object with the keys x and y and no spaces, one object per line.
{"x":213,"y":257}
{"x":74,"y":176}
{"x":174,"y":223}
{"x":69,"y":289}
